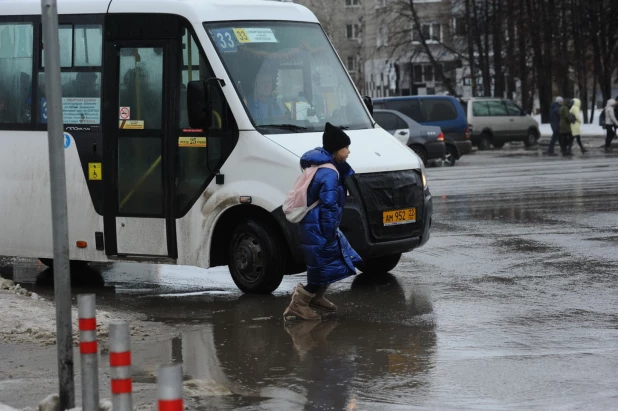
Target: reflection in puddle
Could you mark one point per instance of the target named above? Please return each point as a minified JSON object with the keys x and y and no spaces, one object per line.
{"x":249,"y":356}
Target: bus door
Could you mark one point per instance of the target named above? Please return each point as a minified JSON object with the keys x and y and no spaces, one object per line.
{"x":140,"y":88}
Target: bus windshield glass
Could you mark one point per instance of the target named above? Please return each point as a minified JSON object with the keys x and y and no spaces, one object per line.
{"x":288,"y":76}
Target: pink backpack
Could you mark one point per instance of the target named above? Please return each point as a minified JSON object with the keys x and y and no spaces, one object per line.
{"x":295,"y":205}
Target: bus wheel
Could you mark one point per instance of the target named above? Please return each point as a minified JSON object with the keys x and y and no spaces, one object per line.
{"x":380,"y":265}
{"x":256,"y":261}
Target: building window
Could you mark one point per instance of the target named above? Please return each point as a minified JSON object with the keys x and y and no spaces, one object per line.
{"x":352,"y":31}
{"x":423,"y":73}
{"x":380,"y":3}
{"x":417,"y":71}
{"x":349,"y":3}
{"x":428,"y":73}
{"x":432,"y":32}
{"x":382,"y":36}
{"x":351,"y":63}
{"x":460,"y":28}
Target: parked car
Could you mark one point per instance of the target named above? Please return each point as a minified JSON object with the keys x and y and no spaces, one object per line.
{"x":426,"y":141}
{"x":445,"y":112}
{"x":496,"y":121}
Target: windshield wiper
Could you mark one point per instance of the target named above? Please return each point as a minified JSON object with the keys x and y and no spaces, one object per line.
{"x":291,"y":127}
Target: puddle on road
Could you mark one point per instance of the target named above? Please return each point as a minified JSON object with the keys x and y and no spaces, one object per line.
{"x":325,"y":365}
{"x":525,"y":246}
{"x":244,"y":354}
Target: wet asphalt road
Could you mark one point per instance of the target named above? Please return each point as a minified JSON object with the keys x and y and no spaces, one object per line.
{"x":513,"y":304}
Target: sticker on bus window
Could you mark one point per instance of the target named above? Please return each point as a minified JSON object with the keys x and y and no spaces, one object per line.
{"x":76,"y":110}
{"x":94,"y":171}
{"x":255,"y":35}
{"x":225,"y":40}
{"x":124,"y":113}
{"x":81,"y":110}
{"x":191,"y":141}
{"x":131,"y":124}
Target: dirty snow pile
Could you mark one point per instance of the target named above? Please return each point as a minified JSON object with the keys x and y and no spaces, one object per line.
{"x":27,"y":318}
{"x":16,"y":289}
{"x":52,"y":403}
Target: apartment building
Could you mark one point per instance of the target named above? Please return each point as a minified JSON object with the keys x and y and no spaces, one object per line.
{"x":381,"y":47}
{"x":396,"y":61}
{"x":343,"y":22}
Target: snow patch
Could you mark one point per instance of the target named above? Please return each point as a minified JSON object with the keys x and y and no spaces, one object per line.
{"x":17,"y":289}
{"x":28,"y":318}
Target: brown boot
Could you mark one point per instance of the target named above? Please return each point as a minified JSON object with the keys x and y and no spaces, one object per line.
{"x":320,"y":303}
{"x":299,"y":306}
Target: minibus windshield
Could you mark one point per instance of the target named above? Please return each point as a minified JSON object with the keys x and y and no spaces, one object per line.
{"x":288,"y":76}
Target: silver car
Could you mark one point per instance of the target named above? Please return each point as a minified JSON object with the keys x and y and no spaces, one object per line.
{"x":496,"y":121}
{"x":426,"y":141}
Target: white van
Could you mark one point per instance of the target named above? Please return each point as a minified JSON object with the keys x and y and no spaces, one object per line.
{"x":495,"y":121}
{"x":184,"y":124}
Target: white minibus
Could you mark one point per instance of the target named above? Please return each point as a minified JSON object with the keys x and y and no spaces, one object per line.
{"x":184,"y":123}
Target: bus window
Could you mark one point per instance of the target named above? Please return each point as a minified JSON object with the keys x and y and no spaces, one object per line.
{"x":87,"y":45}
{"x":140,"y":190}
{"x":196,"y":166}
{"x":16,"y":41}
{"x":81,"y":48}
{"x":288,"y":74}
{"x":141,"y":84}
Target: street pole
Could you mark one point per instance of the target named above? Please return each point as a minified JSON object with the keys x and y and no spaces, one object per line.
{"x":62,"y":281}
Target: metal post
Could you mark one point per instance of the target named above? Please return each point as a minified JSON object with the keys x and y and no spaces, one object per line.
{"x":169,"y":381}
{"x":88,"y":348}
{"x":120,"y":365}
{"x":62,"y":281}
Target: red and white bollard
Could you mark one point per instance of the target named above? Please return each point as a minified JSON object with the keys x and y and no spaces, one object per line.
{"x":120,"y":365}
{"x":88,"y":349}
{"x":169,"y":381}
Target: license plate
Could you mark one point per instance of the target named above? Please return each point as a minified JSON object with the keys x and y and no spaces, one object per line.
{"x":399,"y":217}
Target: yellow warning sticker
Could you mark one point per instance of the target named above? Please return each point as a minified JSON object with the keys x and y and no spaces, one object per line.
{"x":131,"y":124}
{"x":94,"y":171}
{"x":191,"y":141}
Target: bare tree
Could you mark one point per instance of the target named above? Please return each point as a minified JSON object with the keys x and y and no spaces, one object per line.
{"x":411,"y":40}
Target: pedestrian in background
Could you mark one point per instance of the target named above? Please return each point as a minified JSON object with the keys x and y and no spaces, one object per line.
{"x":328,"y":254}
{"x":554,"y":118}
{"x":610,"y":123}
{"x":576,"y":121}
{"x":565,"y":128}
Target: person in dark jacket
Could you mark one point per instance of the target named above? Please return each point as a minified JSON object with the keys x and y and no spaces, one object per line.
{"x":565,"y":129}
{"x":554,"y":117}
{"x":328,"y":255}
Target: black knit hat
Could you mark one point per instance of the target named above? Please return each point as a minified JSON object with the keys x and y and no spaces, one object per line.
{"x":334,"y":138}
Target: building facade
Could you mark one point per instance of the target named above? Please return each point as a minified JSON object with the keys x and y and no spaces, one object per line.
{"x":343,"y":21}
{"x":380,"y":43}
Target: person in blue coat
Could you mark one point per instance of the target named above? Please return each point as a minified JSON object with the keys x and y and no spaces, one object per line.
{"x":328,"y":255}
{"x":554,"y":117}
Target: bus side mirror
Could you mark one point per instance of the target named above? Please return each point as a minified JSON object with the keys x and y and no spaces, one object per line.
{"x":198,"y":106}
{"x":369,"y":104}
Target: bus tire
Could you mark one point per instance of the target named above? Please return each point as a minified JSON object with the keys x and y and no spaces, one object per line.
{"x":256,"y":261}
{"x":380,"y":265}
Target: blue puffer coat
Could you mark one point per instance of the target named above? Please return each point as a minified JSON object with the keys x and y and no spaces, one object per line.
{"x":328,"y":254}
